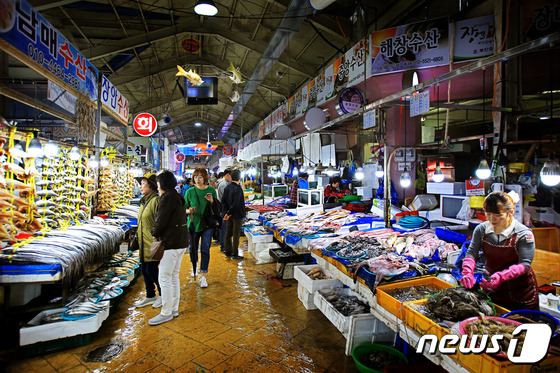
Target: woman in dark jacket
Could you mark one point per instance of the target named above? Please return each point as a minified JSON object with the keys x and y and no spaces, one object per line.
{"x":171,"y":228}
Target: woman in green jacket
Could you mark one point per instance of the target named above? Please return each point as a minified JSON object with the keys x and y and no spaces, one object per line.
{"x":146,"y":220}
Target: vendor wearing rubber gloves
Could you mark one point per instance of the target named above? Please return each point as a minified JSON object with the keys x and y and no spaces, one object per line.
{"x":333,"y":192}
{"x":509,"y":248}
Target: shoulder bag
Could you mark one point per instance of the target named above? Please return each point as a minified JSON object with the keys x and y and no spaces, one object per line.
{"x":211,"y":214}
{"x":156,"y":250}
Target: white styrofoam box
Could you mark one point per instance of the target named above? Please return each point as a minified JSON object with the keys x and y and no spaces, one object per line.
{"x":306,"y":298}
{"x":287,"y":269}
{"x":367,"y":328}
{"x":341,"y":322}
{"x":423,"y":202}
{"x":62,"y":329}
{"x":21,"y":294}
{"x":260,"y":238}
{"x":300,"y":274}
{"x":260,"y":246}
{"x":253,"y":215}
{"x":365,"y":192}
{"x":457,"y":189}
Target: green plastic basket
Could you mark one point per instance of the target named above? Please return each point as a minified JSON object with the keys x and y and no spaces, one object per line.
{"x":362,"y":350}
{"x":350,"y":198}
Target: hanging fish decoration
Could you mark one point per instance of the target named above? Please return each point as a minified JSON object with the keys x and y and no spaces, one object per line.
{"x":236,"y":76}
{"x":192,"y":76}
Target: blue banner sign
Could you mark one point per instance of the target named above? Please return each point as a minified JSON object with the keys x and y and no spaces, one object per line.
{"x":30,"y":33}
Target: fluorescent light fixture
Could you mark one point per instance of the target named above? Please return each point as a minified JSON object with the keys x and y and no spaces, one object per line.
{"x":550,"y":173}
{"x":35,"y":149}
{"x":438,"y":175}
{"x":51,"y":149}
{"x":205,"y":8}
{"x":405,"y":179}
{"x":483,"y":171}
{"x":74,"y":154}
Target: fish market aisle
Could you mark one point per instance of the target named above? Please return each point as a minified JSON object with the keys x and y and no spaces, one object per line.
{"x":241,"y":323}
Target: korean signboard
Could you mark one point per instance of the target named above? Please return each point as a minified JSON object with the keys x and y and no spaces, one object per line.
{"x":413,"y":46}
{"x":41,"y":46}
{"x":114,"y":101}
{"x":474,"y":38}
{"x":540,"y":18}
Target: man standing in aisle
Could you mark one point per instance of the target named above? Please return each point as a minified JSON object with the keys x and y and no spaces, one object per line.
{"x":295,"y":187}
{"x":233,"y":201}
{"x":224,"y":182}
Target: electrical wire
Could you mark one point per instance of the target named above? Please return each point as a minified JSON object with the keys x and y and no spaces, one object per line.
{"x":343,"y":33}
{"x":324,"y":38}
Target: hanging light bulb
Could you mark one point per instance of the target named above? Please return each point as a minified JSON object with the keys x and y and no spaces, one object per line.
{"x":93,"y":162}
{"x":550,"y":173}
{"x":405,"y":179}
{"x":438,"y":175}
{"x":104,"y":162}
{"x":302,"y":168}
{"x":35,"y":149}
{"x":205,"y":8}
{"x":74,"y":154}
{"x":379,"y":173}
{"x":483,"y":171}
{"x":17,"y":151}
{"x":359,"y":173}
{"x":331,"y":171}
{"x":51,"y":149}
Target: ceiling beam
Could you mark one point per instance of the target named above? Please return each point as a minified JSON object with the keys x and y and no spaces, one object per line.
{"x":109,"y":48}
{"x":172,"y":65}
{"x":178,"y":99}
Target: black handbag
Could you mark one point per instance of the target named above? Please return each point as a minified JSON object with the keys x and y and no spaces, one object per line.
{"x":211,"y":214}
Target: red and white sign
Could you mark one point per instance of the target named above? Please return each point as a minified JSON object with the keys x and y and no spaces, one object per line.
{"x":145,"y":124}
{"x":179,"y":157}
{"x":228,"y":150}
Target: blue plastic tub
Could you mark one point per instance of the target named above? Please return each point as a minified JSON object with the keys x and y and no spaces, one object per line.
{"x":451,"y":236}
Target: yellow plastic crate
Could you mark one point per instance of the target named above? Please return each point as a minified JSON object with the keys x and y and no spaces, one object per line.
{"x":488,"y":364}
{"x":393,"y":305}
{"x":423,"y":325}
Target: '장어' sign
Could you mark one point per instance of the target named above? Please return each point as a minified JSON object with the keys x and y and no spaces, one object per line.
{"x":145,"y":124}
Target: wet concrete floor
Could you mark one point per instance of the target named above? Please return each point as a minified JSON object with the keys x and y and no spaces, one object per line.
{"x":242,"y":322}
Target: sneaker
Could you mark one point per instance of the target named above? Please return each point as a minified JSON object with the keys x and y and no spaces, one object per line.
{"x":157,"y":303}
{"x":144,"y":302}
{"x":175,"y":313}
{"x":202,"y":282}
{"x":237,"y":257}
{"x":159,"y":319}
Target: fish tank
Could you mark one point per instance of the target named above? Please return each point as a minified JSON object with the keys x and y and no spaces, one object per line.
{"x":310,"y":197}
{"x":275,"y":190}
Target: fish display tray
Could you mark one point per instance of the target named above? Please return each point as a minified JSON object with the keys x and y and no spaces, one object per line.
{"x":341,"y":322}
{"x":393,"y":305}
{"x":306,"y":298}
{"x":58,"y":330}
{"x":300,"y":274}
{"x":422,"y":324}
{"x":286,"y":256}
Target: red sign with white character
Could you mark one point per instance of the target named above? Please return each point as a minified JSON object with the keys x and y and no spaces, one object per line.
{"x":145,"y":124}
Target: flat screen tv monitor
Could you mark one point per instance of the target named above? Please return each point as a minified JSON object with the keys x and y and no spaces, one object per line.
{"x":204,"y":94}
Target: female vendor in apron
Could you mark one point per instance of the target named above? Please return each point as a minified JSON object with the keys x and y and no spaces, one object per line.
{"x":509,"y":248}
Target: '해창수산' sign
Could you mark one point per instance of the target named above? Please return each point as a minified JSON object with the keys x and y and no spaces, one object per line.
{"x":44,"y":48}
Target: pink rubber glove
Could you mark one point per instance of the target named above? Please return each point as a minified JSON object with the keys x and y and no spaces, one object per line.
{"x":498,"y":278}
{"x":468,"y":272}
